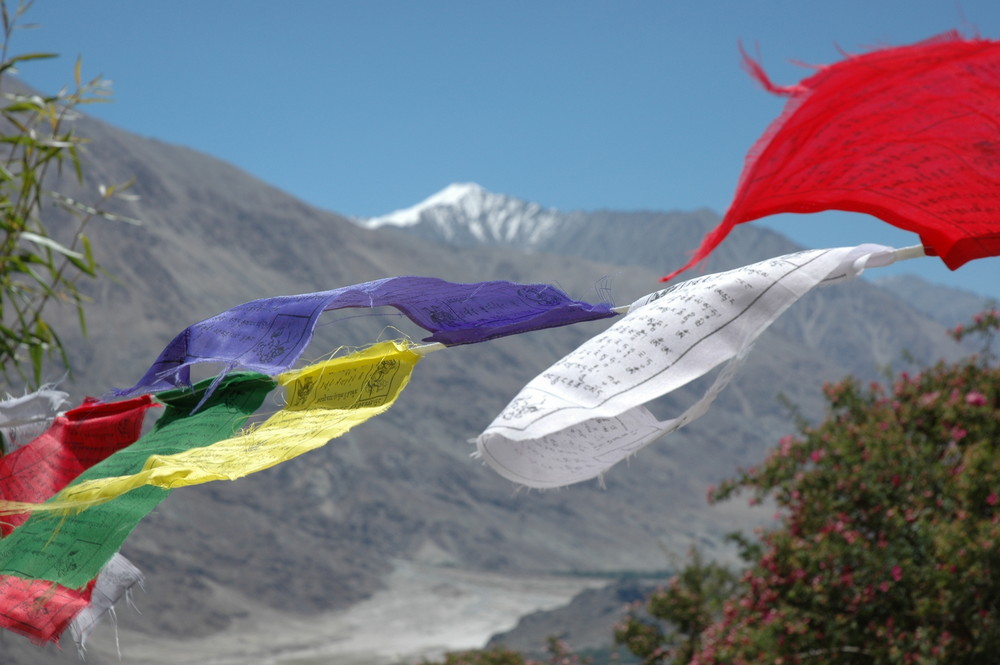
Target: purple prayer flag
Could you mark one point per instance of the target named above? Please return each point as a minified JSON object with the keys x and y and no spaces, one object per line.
{"x":269,"y":334}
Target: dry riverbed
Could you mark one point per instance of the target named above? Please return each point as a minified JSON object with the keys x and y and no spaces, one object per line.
{"x":424,"y":611}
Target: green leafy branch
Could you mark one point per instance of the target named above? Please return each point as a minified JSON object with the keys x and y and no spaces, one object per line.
{"x":39,"y":266}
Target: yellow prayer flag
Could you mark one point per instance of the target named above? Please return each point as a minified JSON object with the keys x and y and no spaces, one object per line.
{"x":324,"y":401}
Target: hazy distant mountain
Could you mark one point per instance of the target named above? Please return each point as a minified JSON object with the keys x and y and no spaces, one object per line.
{"x":322,"y":532}
{"x":944,"y":304}
{"x":587,"y":622}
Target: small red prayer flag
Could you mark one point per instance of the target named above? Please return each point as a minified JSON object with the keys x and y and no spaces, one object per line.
{"x":909,"y":134}
{"x":40,"y":610}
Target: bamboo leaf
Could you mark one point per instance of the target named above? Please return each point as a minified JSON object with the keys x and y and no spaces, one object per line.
{"x":33,"y":56}
{"x":81,"y":265}
{"x":83,"y":320}
{"x":77,"y":167}
{"x":88,"y":253}
{"x":49,"y":243}
{"x":36,"y":351}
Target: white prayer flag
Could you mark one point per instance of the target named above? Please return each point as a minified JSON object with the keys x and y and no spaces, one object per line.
{"x":584,"y":414}
{"x":114,"y":582}
{"x":26,"y":417}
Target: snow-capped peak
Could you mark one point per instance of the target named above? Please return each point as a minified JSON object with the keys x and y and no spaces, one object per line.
{"x":455,"y":193}
{"x":463,"y":195}
{"x":466,"y":213}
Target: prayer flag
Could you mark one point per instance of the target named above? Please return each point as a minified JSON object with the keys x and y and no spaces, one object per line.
{"x":268,"y":335}
{"x":584,"y":414}
{"x":75,"y":441}
{"x":72,"y":549}
{"x":23,"y":418}
{"x":910,"y":135}
{"x":39,"y":610}
{"x":43,"y":611}
{"x":324,"y":401}
{"x":115,"y":581}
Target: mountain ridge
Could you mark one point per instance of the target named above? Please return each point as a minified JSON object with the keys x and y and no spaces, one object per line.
{"x":467,"y":214}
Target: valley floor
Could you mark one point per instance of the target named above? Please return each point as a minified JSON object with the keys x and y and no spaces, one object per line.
{"x":424,"y":611}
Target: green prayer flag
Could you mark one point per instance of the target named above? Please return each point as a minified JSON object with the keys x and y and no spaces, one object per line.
{"x":71,"y":549}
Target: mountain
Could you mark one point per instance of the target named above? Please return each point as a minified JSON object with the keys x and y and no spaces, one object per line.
{"x":944,"y":304}
{"x":299,"y":562}
{"x":466,"y":215}
{"x":587,"y":622}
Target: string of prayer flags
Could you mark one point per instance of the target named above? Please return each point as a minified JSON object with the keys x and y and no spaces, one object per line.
{"x":268,"y":335}
{"x":71,"y":549}
{"x":324,"y":401}
{"x":584,"y":414}
{"x":75,"y":441}
{"x":906,"y":134}
{"x":115,"y":581}
{"x":23,"y":418}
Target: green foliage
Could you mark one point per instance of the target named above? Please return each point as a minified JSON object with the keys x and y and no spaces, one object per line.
{"x":888,"y":544}
{"x":493,"y":656}
{"x":42,"y":256}
{"x":689,"y":603}
{"x":888,"y":549}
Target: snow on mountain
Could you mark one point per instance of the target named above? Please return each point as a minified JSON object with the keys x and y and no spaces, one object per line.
{"x":468,"y":214}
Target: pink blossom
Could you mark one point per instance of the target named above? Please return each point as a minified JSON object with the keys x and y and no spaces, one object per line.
{"x":975,"y":398}
{"x":927,"y":399}
{"x":992,"y":499}
{"x":897,"y":573}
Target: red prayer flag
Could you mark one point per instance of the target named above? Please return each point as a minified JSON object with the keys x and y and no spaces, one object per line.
{"x":40,"y":610}
{"x":910,"y":135}
{"x":75,"y":441}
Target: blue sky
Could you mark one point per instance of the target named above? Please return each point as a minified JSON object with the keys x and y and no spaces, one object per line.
{"x":365,"y":107}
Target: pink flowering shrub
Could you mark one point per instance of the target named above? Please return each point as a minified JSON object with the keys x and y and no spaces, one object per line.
{"x":887,"y":544}
{"x":886,"y":548}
